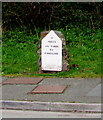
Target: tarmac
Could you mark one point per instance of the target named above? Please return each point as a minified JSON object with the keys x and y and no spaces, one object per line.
{"x":80,"y":95}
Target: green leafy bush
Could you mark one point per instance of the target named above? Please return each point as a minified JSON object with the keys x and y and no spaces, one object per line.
{"x":51,"y":15}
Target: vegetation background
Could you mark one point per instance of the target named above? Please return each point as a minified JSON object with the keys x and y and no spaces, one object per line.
{"x":80,"y":22}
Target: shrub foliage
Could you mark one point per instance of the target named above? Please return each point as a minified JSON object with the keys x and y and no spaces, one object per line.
{"x":51,"y":15}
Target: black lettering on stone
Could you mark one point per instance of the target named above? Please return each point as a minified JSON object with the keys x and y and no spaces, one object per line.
{"x":51,"y":49}
{"x":52,"y":41}
{"x":56,"y":53}
{"x":54,"y":46}
{"x":51,"y":53}
{"x":46,"y":46}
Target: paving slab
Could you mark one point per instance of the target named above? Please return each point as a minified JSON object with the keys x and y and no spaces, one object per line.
{"x":49,"y":89}
{"x":96,"y":91}
{"x":22,"y":80}
{"x":16,"y":92}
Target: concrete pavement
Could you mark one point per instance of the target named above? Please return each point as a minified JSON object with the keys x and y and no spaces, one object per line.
{"x":79,"y":90}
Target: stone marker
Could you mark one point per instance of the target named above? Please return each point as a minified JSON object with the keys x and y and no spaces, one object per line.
{"x":53,"y":52}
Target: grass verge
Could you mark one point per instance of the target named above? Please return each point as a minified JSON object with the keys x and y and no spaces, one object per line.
{"x":20,"y":58}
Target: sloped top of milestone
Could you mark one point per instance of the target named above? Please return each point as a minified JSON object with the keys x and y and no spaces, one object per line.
{"x":58,"y":33}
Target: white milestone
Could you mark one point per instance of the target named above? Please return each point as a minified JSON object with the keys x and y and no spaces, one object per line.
{"x":51,"y":56}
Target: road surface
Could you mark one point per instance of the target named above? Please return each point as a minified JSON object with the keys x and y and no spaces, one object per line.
{"x":45,"y":114}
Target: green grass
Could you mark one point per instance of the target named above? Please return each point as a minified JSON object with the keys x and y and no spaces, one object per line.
{"x":20,"y":56}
